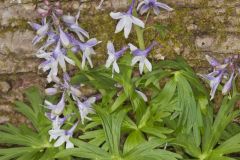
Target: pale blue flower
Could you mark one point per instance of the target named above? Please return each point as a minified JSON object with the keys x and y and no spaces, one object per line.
{"x":85,"y":108}
{"x":52,"y":39}
{"x":227,"y":70}
{"x":145,"y":5}
{"x":56,"y":109}
{"x":113,"y":56}
{"x":57,"y":123}
{"x":64,"y":38}
{"x":72,"y":23}
{"x":141,"y":57}
{"x":86,"y":48}
{"x":53,"y":59}
{"x":63,"y":136}
{"x":126,"y":21}
{"x":42,"y":30}
{"x":65,"y":87}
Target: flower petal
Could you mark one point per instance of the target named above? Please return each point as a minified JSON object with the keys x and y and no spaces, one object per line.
{"x":228,"y":85}
{"x":110,"y":47}
{"x":148,"y":64}
{"x":141,"y":66}
{"x":68,"y":19}
{"x":120,"y":25}
{"x":60,"y":141}
{"x":140,"y":5}
{"x":115,"y":66}
{"x":51,"y":91}
{"x":109,"y":61}
{"x":144,"y":9}
{"x":64,"y":39}
{"x":137,"y":21}
{"x":117,"y":15}
{"x":156,"y":10}
{"x":69,"y":144}
{"x":164,"y":6}
{"x":127,"y":28}
{"x":135,"y":60}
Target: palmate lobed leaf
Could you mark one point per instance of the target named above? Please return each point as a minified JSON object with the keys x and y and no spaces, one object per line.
{"x":212,"y":146}
{"x":147,"y":150}
{"x":112,"y":129}
{"x":84,"y":150}
{"x":31,"y":141}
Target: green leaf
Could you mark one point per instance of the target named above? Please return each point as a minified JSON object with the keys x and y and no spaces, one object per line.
{"x":74,"y":57}
{"x":119,"y":101}
{"x":112,"y":128}
{"x":142,"y":149}
{"x":232,"y":145}
{"x":28,"y":112}
{"x":134,"y":138}
{"x":161,"y":29}
{"x":224,"y":117}
{"x":163,"y":99}
{"x":156,"y":131}
{"x":84,"y":150}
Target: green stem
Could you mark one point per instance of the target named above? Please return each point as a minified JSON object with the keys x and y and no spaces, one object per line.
{"x":139,"y":32}
{"x":147,"y":17}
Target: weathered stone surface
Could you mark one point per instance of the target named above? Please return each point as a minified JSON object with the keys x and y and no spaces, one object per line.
{"x":195,"y":28}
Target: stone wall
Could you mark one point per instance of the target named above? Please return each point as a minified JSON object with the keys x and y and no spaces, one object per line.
{"x":195,"y":28}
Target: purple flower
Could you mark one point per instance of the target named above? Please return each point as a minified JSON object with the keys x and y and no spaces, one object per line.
{"x":58,"y":56}
{"x":52,"y":38}
{"x":63,"y":136}
{"x":113,"y":56}
{"x":64,"y":38}
{"x":145,"y":5}
{"x":56,"y":109}
{"x":85,"y":108}
{"x":227,"y":70}
{"x":66,"y":87}
{"x":86,"y":48}
{"x":42,"y":30}
{"x":228,"y":85}
{"x":72,"y":23}
{"x":126,"y":20}
{"x":57,"y":123}
{"x":141,"y":57}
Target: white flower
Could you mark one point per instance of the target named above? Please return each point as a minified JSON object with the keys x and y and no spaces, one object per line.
{"x":145,"y":5}
{"x":72,"y":22}
{"x":113,"y":57}
{"x":126,"y":21}
{"x":58,"y":56}
{"x":56,"y":109}
{"x":141,"y":57}
{"x":63,"y":136}
{"x":57,"y":122}
{"x":87,"y":50}
{"x":85,"y":108}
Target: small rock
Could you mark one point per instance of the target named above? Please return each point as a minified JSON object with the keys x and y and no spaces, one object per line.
{"x":192,"y":27}
{"x":4,"y":119}
{"x":204,"y":42}
{"x":4,"y":87}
